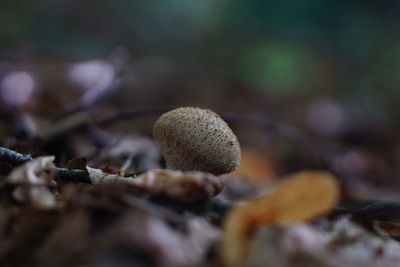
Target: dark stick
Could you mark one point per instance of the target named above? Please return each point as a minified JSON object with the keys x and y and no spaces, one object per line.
{"x":265,"y":124}
{"x":14,"y":157}
{"x":73,"y":175}
{"x":325,"y":148}
{"x":68,"y":175}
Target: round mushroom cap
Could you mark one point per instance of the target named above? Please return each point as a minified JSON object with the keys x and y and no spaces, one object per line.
{"x":191,"y":138}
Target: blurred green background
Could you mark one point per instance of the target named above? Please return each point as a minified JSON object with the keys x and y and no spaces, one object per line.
{"x":263,"y":54}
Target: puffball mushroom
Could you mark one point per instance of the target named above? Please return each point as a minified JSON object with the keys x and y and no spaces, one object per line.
{"x":192,"y":138}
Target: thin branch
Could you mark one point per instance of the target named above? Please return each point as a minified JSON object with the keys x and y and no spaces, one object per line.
{"x":73,"y":175}
{"x":13,"y":157}
{"x":68,"y":175}
{"x":65,"y":126}
{"x":272,"y":127}
{"x":125,"y":115}
{"x":324,"y":148}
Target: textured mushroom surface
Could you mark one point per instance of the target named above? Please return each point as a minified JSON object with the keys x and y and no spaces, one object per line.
{"x":191,"y":138}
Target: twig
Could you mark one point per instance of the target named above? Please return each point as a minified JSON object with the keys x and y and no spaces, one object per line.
{"x":131,"y":115}
{"x":68,"y":175}
{"x":269,"y":125}
{"x":73,"y":175}
{"x":89,"y":98}
{"x":127,"y":164}
{"x":65,"y":126}
{"x":324,"y":148}
{"x":14,"y":157}
{"x":80,"y":120}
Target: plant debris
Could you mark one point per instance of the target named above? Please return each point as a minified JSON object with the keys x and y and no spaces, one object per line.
{"x":340,"y":243}
{"x":301,"y":197}
{"x":191,"y":187}
{"x":118,"y":207}
{"x":32,"y":182}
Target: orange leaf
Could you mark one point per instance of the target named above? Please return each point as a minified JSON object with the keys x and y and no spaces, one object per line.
{"x":388,"y":228}
{"x":300,"y":197}
{"x":254,"y":167}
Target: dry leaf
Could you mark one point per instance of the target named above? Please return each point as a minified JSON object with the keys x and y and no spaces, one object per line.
{"x":167,"y":246}
{"x":191,"y":186}
{"x":98,"y":176}
{"x":32,"y":180}
{"x":201,"y":236}
{"x":387,"y":228}
{"x":254,"y":168}
{"x":341,"y":243}
{"x":300,"y":197}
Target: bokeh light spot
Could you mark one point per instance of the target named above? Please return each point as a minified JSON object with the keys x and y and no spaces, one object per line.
{"x":92,"y":74}
{"x":325,"y":117}
{"x":17,"y":87}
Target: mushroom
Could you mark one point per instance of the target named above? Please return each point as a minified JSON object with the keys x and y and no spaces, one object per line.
{"x":192,"y":138}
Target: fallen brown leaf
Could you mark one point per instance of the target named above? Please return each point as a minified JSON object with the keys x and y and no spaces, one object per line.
{"x":387,"y":228}
{"x":339,"y":243}
{"x":191,"y":186}
{"x":254,"y":168}
{"x":300,"y":197}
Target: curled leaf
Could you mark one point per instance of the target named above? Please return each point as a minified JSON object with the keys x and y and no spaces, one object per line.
{"x":191,"y":186}
{"x":300,"y":197}
{"x":32,"y":180}
{"x":98,"y":176}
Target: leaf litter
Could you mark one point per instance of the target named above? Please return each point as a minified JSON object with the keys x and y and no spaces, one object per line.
{"x":132,"y":213}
